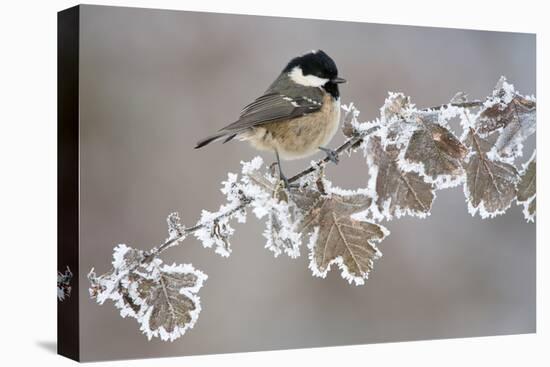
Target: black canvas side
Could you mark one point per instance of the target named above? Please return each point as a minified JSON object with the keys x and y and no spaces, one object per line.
{"x":68,"y":177}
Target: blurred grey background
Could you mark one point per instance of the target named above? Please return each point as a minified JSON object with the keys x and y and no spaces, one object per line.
{"x":155,"y":81}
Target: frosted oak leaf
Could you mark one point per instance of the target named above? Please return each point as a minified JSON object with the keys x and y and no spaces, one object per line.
{"x":337,"y":238}
{"x":166,"y":295}
{"x":490,"y":185}
{"x":410,"y":153}
{"x":162,"y":298}
{"x":437,"y":151}
{"x":512,"y":115}
{"x":394,"y":106}
{"x":398,"y":192}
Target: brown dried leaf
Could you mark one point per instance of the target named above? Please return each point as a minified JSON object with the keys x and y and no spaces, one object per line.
{"x":498,"y":115}
{"x":490,"y":184}
{"x":305,"y":198}
{"x":515,"y":121}
{"x":162,"y":298}
{"x":439,"y":152}
{"x":347,"y":121}
{"x":337,"y":238}
{"x":167,"y":309}
{"x":398,"y":192}
{"x":394,"y":106}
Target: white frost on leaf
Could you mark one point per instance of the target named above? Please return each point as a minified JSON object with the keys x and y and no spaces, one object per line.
{"x":215,"y":232}
{"x":336,"y":234}
{"x":396,"y":192}
{"x":410,"y":153}
{"x":263,"y":194}
{"x":425,"y":142}
{"x":504,"y":91}
{"x":490,"y":185}
{"x":481,"y":209}
{"x":162,"y":298}
{"x":495,"y":137}
{"x":528,"y":208}
{"x":395,"y":107}
{"x":527,"y":188}
{"x":215,"y":228}
{"x":503,"y":94}
{"x":510,"y":115}
{"x":235,"y":197}
{"x":176,"y":230}
{"x":272,"y":202}
{"x":280,"y":232}
{"x":64,"y":287}
{"x":350,"y":122}
{"x":459,"y":97}
{"x":467,"y":120}
{"x":172,"y":305}
{"x":104,"y":287}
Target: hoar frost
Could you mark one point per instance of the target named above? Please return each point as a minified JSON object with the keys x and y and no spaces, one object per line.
{"x":526,"y":188}
{"x":64,"y":286}
{"x":272,"y":202}
{"x":162,"y":298}
{"x":214,"y":227}
{"x":410,"y":153}
{"x":335,"y":235}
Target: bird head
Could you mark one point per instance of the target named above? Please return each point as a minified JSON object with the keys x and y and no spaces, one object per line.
{"x":314,"y":69}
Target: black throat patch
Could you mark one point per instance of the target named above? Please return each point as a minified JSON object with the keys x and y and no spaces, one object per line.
{"x":332,"y":89}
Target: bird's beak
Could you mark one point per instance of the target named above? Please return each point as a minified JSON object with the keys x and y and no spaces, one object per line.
{"x":338,"y":80}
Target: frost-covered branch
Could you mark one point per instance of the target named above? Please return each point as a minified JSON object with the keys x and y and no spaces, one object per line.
{"x":410,"y":153}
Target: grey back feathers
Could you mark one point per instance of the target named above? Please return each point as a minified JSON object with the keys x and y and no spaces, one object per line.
{"x":281,"y":101}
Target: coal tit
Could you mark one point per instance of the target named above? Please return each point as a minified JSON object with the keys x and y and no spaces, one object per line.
{"x":296,"y":116}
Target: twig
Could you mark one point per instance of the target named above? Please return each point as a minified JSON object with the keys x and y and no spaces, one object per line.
{"x":348,"y":144}
{"x":470,"y":104}
{"x":357,"y":139}
{"x":156,"y":251}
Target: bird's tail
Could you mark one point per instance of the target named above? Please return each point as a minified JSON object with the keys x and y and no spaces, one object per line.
{"x":209,"y":139}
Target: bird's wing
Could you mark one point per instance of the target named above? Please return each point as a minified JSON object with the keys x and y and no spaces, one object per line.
{"x":273,"y":106}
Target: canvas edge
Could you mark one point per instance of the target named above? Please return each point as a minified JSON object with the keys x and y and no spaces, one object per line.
{"x":68,"y":42}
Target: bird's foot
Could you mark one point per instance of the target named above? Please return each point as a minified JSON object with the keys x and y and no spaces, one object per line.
{"x":285,"y":182}
{"x":332,"y":155}
{"x":282,"y":178}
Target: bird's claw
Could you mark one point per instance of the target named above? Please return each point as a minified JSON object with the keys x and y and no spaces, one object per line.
{"x":285,"y":182}
{"x":332,"y":155}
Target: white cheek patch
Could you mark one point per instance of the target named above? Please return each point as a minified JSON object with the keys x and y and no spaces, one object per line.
{"x":298,"y":77}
